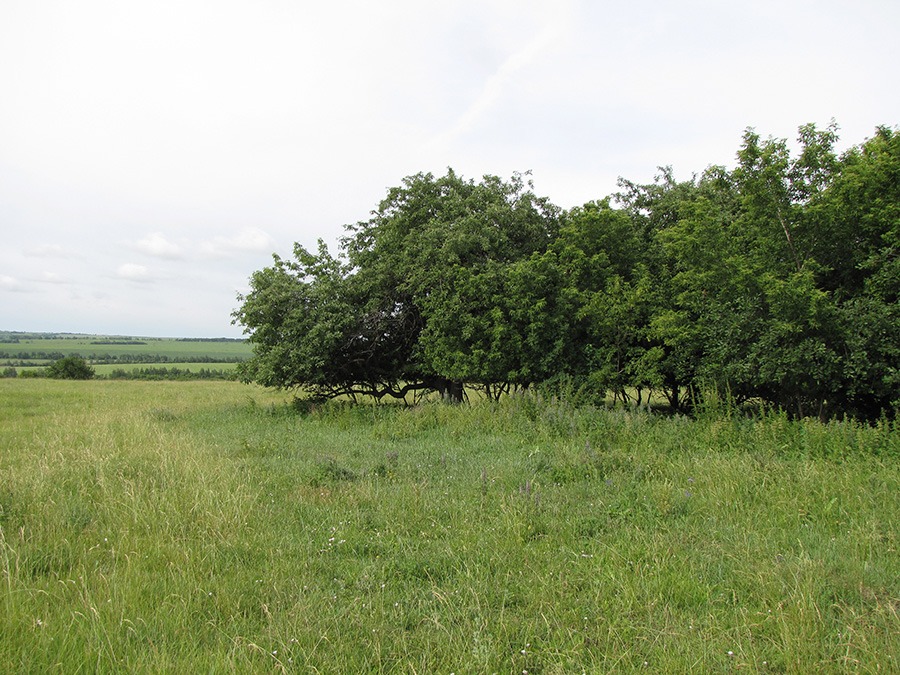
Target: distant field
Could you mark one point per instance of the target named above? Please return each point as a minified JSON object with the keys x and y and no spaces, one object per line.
{"x":117,"y":348}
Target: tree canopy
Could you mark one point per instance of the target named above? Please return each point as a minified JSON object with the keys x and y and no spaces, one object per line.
{"x":776,"y":280}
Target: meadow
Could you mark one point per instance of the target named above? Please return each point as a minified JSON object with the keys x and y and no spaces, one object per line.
{"x":120,"y":349}
{"x":219,"y":527}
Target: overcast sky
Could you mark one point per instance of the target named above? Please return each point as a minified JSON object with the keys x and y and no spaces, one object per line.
{"x":154,"y":153}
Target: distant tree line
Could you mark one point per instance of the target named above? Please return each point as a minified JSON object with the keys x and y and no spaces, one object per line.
{"x":76,"y":368}
{"x":20,"y":358}
{"x":777,"y":280}
{"x":125,"y":341}
{"x":163,"y":373}
{"x":14,"y":337}
{"x":221,"y":339}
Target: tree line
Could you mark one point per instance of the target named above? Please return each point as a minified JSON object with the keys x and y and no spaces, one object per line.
{"x":776,"y":280}
{"x":74,"y":367}
{"x":163,"y":373}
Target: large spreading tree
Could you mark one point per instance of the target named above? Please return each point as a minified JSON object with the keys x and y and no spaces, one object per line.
{"x":436,"y":290}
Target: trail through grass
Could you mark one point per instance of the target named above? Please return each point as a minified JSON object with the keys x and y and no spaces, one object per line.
{"x":213,"y":527}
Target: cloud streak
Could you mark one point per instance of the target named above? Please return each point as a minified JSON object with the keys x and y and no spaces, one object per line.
{"x":493,"y":88}
{"x":51,"y":251}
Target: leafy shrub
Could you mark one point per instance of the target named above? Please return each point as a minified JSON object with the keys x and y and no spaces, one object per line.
{"x":70,"y":368}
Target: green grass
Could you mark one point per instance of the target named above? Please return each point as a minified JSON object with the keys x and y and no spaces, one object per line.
{"x":212,"y":527}
{"x":167,"y":347}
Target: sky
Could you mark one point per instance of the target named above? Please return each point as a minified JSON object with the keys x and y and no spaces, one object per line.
{"x":154,"y":154}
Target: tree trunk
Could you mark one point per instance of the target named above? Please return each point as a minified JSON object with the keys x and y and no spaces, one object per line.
{"x":455,"y":393}
{"x":450,"y":390}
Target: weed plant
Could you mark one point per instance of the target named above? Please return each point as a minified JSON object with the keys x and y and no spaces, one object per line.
{"x":215,"y":527}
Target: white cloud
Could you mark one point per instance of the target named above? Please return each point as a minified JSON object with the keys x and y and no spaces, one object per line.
{"x":247,"y":240}
{"x":51,"y":278}
{"x":133,"y":272}
{"x":155,"y":244}
{"x":8,"y":283}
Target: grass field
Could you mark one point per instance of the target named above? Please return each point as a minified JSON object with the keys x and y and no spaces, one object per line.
{"x":211,"y":527}
{"x":92,"y":346}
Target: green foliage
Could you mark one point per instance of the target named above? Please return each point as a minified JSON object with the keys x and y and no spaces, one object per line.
{"x":776,"y":281}
{"x":70,"y":368}
{"x":423,"y":296}
{"x":767,"y":275}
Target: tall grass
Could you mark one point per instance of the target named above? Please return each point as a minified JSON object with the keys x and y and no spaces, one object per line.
{"x":214,"y":527}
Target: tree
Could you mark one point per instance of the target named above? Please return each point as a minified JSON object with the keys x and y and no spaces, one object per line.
{"x":776,"y":274}
{"x":777,"y":280}
{"x":312,"y":327}
{"x":668,"y":296}
{"x":418,"y":298}
{"x":862,"y":209}
{"x":599,"y":252}
{"x":71,"y":367}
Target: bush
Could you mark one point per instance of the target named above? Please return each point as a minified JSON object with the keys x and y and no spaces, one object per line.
{"x":10,"y":372}
{"x":70,"y":368}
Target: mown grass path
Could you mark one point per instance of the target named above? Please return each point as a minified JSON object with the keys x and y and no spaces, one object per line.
{"x":211,"y":527}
